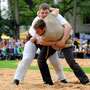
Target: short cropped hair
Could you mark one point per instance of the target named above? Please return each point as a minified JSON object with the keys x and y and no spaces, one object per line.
{"x":44,"y":6}
{"x":39,"y":24}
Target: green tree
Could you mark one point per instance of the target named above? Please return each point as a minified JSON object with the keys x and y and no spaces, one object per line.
{"x":84,"y":11}
{"x":5,"y":27}
{"x":28,"y":11}
{"x":64,"y":5}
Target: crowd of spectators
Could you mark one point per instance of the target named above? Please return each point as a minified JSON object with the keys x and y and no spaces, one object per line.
{"x":13,"y":49}
{"x":82,"y":45}
{"x":81,"y":48}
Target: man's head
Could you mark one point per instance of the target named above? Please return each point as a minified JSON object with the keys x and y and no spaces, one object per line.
{"x":40,"y":27}
{"x":44,"y":10}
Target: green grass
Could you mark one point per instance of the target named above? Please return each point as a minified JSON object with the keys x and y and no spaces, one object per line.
{"x":85,"y":69}
{"x":9,"y":64}
{"x":12,"y":65}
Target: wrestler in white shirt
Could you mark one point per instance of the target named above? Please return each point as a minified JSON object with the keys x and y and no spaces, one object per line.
{"x":29,"y":53}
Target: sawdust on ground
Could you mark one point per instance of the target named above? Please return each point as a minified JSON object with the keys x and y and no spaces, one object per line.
{"x":33,"y":79}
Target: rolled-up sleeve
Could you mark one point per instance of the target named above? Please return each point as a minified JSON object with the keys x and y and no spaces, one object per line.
{"x":61,"y":19}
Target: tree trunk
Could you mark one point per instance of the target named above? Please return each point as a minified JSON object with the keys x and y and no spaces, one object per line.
{"x":17,"y":17}
{"x":74,"y":17}
{"x":11,"y":16}
{"x":0,"y":8}
{"x":0,"y":38}
{"x":10,"y":10}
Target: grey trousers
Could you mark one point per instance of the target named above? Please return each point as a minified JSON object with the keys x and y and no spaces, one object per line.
{"x":79,"y":73}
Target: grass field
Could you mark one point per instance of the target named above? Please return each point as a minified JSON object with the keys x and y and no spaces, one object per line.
{"x":12,"y":65}
{"x":33,"y":79}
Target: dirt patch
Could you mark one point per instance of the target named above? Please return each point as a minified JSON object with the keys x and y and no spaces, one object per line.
{"x":81,"y":62}
{"x":33,"y":79}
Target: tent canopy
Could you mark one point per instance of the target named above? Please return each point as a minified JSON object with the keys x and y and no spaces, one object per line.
{"x":3,"y":36}
{"x":23,"y":35}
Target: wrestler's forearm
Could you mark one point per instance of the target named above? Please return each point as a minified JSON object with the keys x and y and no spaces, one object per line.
{"x":46,"y":43}
{"x":55,"y":10}
{"x":33,"y":39}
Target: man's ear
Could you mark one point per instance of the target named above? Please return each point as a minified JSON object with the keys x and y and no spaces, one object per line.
{"x":38,"y":13}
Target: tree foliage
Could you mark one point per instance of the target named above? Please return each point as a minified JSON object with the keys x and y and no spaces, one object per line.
{"x":64,"y":5}
{"x":6,"y":26}
{"x":84,"y":11}
{"x":28,"y":11}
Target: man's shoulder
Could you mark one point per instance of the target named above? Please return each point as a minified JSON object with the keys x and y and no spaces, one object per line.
{"x":52,"y":14}
{"x":50,"y":17}
{"x":36,"y":18}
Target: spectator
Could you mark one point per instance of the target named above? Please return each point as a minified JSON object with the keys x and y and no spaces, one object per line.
{"x":76,"y":43}
{"x":88,"y":51}
{"x":4,"y":52}
{"x":20,"y":51}
{"x":15,"y":51}
{"x":1,"y":54}
{"x":10,"y":53}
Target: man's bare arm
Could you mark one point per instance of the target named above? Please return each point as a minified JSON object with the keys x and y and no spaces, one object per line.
{"x":67,"y":30}
{"x":46,"y":43}
{"x":33,"y":39}
{"x":55,"y":11}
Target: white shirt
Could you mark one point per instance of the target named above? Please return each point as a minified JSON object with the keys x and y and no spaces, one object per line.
{"x":32,"y":30}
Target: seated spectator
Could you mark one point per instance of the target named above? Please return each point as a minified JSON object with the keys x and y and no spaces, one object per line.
{"x":10,"y":53}
{"x":1,"y":44}
{"x":76,"y":43}
{"x":88,"y":51}
{"x":20,"y":51}
{"x":1,"y":54}
{"x":81,"y":48}
{"x":4,"y":52}
{"x":15,"y":51}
